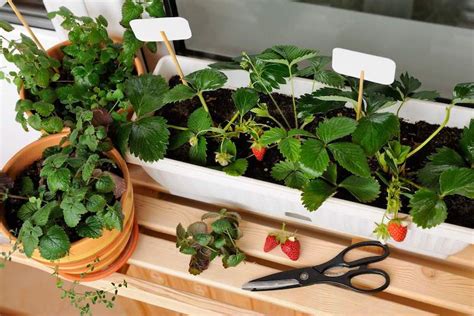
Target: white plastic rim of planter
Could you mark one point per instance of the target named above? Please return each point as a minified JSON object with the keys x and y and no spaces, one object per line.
{"x":148,"y":30}
{"x":283,"y":203}
{"x":351,"y":63}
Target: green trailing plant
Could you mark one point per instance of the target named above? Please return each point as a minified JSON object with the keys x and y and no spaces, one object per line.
{"x":83,"y":301}
{"x":446,"y":173}
{"x":214,"y":236}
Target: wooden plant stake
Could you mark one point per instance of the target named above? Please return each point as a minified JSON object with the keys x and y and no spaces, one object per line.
{"x":361,"y":93}
{"x":25,"y":24}
{"x":365,"y":67}
{"x":171,"y":29}
{"x":173,"y":57}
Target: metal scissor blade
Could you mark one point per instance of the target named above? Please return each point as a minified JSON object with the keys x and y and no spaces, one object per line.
{"x":270,"y":285}
{"x":281,"y":280}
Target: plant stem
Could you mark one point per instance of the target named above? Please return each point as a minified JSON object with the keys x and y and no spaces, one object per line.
{"x":292,"y":85}
{"x":17,"y":197}
{"x":178,"y":127}
{"x":446,"y":119}
{"x":401,"y":105}
{"x":411,"y":183}
{"x":236,"y":115}
{"x":204,"y":105}
{"x":266,"y":90}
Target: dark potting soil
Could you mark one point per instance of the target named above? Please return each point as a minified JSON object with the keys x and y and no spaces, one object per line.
{"x":221,"y":108}
{"x":12,"y":205}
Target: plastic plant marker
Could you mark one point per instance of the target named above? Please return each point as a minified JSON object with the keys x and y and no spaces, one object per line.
{"x":365,"y":67}
{"x":25,"y":24}
{"x":163,"y":30}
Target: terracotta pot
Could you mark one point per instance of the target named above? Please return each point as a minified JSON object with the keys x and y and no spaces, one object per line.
{"x":83,"y":252}
{"x":56,"y":53}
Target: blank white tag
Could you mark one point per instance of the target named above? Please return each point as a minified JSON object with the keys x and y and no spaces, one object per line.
{"x":148,"y":30}
{"x":351,"y":63}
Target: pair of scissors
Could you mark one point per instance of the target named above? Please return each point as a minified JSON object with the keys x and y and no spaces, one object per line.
{"x":322,"y":273}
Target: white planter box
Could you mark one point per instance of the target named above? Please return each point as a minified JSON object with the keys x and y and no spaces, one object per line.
{"x":283,"y":203}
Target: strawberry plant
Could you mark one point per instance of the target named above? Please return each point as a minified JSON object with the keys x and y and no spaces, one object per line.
{"x":447,"y":173}
{"x":214,"y":236}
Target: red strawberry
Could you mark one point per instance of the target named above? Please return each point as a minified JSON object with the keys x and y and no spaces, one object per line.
{"x":258,"y":151}
{"x":270,"y":243}
{"x":396,"y":230}
{"x":291,"y":247}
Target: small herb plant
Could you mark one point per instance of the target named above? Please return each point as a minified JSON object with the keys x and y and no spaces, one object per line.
{"x":214,"y":236}
{"x":75,"y":195}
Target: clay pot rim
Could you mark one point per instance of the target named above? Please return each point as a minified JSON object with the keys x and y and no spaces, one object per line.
{"x":113,"y":154}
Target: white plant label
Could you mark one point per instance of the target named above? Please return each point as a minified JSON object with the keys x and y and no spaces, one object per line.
{"x":148,"y":30}
{"x":351,"y":63}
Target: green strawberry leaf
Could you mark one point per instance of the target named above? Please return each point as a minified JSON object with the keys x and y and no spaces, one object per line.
{"x":7,"y":27}
{"x":267,"y":76}
{"x":179,"y":93}
{"x":293,"y":54}
{"x":198,"y":152}
{"x":463,"y":93}
{"x":351,"y":157}
{"x":290,"y":148}
{"x":273,"y":135}
{"x":427,"y":209}
{"x":292,"y":174}
{"x":335,"y":128}
{"x":425,"y":95}
{"x":91,"y":228}
{"x":457,"y":181}
{"x":311,"y":104}
{"x":237,"y":168}
{"x":375,"y":130}
{"x":466,"y":143}
{"x":315,"y":193}
{"x":444,"y":159}
{"x":199,"y":120}
{"x":206,"y":79}
{"x":364,"y":189}
{"x":54,"y":244}
{"x":149,"y":138}
{"x":146,"y":93}
{"x":314,"y":155}
{"x":245,"y":99}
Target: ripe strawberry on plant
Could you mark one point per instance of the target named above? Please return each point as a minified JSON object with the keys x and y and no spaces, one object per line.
{"x":292,"y":248}
{"x":258,"y":150}
{"x":397,"y":229}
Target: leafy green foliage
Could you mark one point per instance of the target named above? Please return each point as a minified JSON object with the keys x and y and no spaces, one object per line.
{"x":408,"y":86}
{"x":444,"y":159}
{"x":427,"y":209}
{"x":317,"y":71}
{"x":205,"y":242}
{"x":206,"y":80}
{"x":335,"y":128}
{"x":463,"y":93}
{"x":236,"y":168}
{"x":466,"y":143}
{"x":364,"y":189}
{"x":149,"y":137}
{"x":146,"y":93}
{"x":54,"y":244}
{"x":351,"y":157}
{"x":457,"y":181}
{"x":375,"y":130}
{"x":314,"y":155}
{"x":315,"y":193}
{"x":293,"y":174}
{"x":245,"y":99}
{"x":178,"y":93}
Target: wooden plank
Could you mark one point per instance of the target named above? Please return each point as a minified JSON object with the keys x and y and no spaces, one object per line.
{"x":151,"y":293}
{"x":412,"y":280}
{"x":210,"y":292}
{"x":464,"y":258}
{"x":162,"y":256}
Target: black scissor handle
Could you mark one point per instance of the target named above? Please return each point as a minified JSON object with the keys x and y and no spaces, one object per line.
{"x":365,"y":260}
{"x":347,"y":279}
{"x":340,"y":261}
